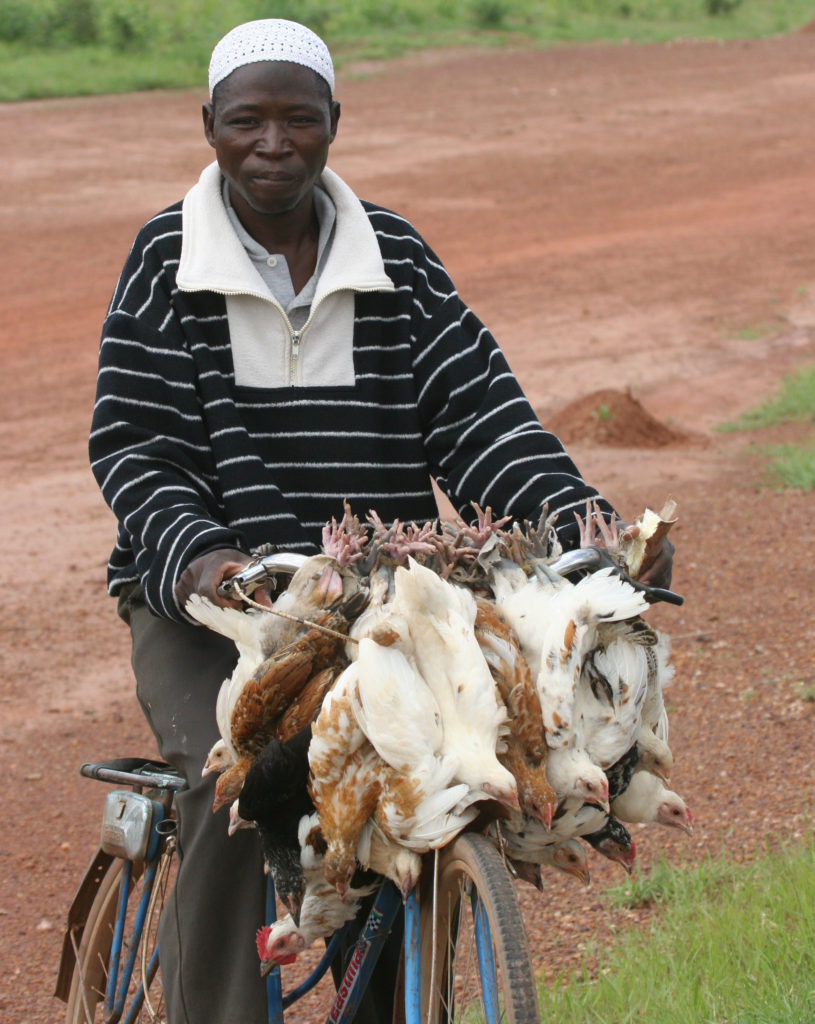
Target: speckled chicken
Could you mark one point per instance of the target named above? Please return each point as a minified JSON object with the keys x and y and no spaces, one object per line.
{"x":323,"y":910}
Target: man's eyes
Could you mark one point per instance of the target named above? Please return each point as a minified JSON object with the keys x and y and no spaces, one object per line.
{"x":299,"y":121}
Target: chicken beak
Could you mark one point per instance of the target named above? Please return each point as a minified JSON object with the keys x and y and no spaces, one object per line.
{"x":407,"y":886}
{"x":582,"y":874}
{"x":294,"y":906}
{"x":267,"y":966}
{"x":506,"y":797}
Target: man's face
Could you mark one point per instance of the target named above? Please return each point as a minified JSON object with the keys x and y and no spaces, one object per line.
{"x":271,"y":124}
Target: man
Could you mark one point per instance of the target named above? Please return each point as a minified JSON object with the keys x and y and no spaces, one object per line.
{"x":273,"y":347}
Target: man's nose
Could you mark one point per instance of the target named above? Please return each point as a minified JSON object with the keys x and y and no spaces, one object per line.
{"x":274,"y":138}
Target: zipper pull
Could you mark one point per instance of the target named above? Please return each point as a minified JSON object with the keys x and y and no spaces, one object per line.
{"x":295,"y":351}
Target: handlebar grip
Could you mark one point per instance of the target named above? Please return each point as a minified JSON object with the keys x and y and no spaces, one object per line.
{"x":261,"y":571}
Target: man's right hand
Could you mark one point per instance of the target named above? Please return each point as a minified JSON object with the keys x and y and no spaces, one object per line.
{"x":204,"y":575}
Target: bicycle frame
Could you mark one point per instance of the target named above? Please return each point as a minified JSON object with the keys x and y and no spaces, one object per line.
{"x":118,"y":983}
{"x":363,"y":961}
{"x":366,"y":952}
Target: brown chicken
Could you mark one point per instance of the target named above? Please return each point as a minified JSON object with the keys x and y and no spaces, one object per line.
{"x":266,"y":697}
{"x":346,"y":779}
{"x":306,"y":705}
{"x":525,"y":753}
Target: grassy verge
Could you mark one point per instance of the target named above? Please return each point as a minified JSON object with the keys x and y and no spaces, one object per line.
{"x":76,"y":47}
{"x":790,"y":465}
{"x":795,"y":400}
{"x":732,"y":944}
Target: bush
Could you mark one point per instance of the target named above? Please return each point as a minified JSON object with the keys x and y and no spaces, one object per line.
{"x":716,"y":7}
{"x":49,"y":22}
{"x":76,"y":22}
{"x":490,"y":13}
{"x":26,"y":21}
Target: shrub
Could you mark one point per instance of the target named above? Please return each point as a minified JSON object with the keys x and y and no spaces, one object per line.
{"x":717,"y":7}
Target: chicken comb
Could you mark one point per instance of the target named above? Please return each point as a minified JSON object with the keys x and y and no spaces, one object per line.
{"x":261,"y":939}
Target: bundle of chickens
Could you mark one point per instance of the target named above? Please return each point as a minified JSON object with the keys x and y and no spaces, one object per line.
{"x":415,"y":681}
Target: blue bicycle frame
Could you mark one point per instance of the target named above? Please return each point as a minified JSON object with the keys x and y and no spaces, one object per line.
{"x":366,"y":953}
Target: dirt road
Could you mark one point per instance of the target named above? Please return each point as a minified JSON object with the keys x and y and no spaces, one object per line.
{"x":633,"y":218}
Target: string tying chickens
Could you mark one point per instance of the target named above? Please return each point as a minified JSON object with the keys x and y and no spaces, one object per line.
{"x":241,"y":594}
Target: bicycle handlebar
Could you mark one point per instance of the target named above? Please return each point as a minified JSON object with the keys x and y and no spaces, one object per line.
{"x":264,"y":569}
{"x":593,"y":558}
{"x":261,"y":571}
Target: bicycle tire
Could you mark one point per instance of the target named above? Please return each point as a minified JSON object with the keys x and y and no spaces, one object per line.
{"x":86,"y":998}
{"x":471,"y":872}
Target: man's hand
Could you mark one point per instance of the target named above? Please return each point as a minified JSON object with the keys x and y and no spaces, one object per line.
{"x":659,"y":572}
{"x":204,"y":575}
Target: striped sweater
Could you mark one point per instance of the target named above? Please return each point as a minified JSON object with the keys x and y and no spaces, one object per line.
{"x":189,"y":461}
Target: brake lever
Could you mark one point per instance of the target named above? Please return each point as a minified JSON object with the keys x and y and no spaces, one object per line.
{"x":594,"y":558}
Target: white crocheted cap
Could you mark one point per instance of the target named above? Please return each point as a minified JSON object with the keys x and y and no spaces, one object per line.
{"x":270,"y":39}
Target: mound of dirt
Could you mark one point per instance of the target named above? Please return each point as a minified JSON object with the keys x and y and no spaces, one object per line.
{"x":614,"y":419}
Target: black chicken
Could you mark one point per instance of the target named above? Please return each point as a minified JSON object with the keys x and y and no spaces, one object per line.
{"x":275,"y":797}
{"x":614,"y":841}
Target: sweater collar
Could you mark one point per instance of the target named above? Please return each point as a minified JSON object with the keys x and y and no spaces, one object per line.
{"x":214,"y":259}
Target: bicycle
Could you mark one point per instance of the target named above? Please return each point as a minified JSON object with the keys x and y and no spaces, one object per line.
{"x":456,"y":966}
{"x":465,"y":954}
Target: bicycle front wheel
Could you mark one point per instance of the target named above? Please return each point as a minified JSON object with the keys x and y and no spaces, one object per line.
{"x":140,"y":997}
{"x":474,"y":955}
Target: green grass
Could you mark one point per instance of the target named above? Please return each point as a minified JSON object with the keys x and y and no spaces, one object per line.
{"x":74,"y":47}
{"x":795,"y":400}
{"x":730,"y":944}
{"x":790,"y":465}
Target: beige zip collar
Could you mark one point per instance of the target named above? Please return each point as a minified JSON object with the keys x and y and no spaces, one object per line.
{"x":267,"y":352}
{"x":213,"y":258}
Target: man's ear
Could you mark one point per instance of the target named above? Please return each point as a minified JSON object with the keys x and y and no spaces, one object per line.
{"x":335,"y":118}
{"x":208,"y":114}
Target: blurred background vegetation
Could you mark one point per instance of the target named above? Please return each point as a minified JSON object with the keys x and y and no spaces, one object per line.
{"x":76,"y":47}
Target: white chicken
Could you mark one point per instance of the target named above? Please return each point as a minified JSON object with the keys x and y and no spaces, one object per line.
{"x":397,"y":711}
{"x":441,"y":620}
{"x":647,"y":800}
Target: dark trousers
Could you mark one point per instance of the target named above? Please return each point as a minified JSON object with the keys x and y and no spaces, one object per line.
{"x":209,"y":963}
